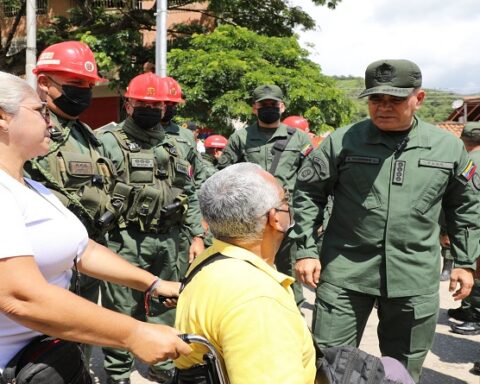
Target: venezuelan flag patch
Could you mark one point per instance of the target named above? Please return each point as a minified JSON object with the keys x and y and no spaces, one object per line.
{"x":469,"y":170}
{"x":306,"y":150}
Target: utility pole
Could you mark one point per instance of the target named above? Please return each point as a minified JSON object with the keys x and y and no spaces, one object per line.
{"x":161,"y":39}
{"x":31,"y":51}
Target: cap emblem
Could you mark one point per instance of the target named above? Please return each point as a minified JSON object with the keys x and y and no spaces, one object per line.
{"x":385,"y":73}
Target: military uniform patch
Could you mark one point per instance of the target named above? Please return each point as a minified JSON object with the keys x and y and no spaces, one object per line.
{"x":362,"y":159}
{"x":80,"y":168}
{"x":306,"y":174}
{"x":469,"y":170}
{"x":399,"y":172}
{"x":476,"y":181}
{"x":141,"y":163}
{"x":172,"y":150}
{"x":306,"y":150}
{"x":435,"y":164}
{"x":320,"y":166}
{"x":182,"y":169}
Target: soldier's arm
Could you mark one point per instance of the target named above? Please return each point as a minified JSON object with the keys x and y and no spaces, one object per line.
{"x":193,"y":216}
{"x":461,"y":204}
{"x":312,"y":188}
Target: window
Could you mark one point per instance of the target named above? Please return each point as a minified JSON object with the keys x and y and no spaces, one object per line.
{"x":11,"y":8}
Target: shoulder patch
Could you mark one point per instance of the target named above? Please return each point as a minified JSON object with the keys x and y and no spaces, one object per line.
{"x":306,"y":173}
{"x":476,"y":181}
{"x":306,"y":150}
{"x":469,"y":170}
{"x":321,"y":166}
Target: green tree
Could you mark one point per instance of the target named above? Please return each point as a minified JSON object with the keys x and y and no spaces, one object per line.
{"x":220,"y":70}
{"x":118,"y":33}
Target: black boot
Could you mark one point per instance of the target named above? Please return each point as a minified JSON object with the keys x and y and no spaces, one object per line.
{"x":446,"y":270}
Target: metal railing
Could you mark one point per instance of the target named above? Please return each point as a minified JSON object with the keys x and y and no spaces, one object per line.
{"x":135,"y":4}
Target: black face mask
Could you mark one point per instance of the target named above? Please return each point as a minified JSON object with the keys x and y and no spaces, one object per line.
{"x":146,"y":117}
{"x":74,"y":100}
{"x":268,"y":115}
{"x":170,"y":112}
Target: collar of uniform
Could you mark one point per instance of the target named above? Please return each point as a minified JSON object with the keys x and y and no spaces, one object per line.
{"x":235,"y":252}
{"x":280,"y":132}
{"x":171,"y":127}
{"x":59,"y":122}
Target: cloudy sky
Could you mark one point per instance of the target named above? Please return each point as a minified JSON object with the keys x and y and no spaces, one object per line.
{"x":441,"y":36}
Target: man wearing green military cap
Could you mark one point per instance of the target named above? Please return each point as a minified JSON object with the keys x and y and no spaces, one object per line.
{"x":390,"y":176}
{"x":277,"y":148}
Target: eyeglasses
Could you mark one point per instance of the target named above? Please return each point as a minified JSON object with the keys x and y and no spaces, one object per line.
{"x":42,"y":110}
{"x":289,"y":210}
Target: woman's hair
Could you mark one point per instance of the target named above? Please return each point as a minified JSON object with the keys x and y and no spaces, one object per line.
{"x":13,"y":90}
{"x":235,"y":202}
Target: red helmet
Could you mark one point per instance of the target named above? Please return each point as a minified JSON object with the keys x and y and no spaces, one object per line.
{"x":297,"y":122}
{"x":173,"y":91}
{"x":71,"y":57}
{"x":147,"y":87}
{"x":215,"y":141}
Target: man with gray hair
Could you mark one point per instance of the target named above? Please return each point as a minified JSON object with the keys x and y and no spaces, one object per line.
{"x":240,"y":302}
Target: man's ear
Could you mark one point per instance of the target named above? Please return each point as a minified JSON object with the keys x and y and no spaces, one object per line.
{"x":420,"y":98}
{"x":4,"y":119}
{"x":43,"y":82}
{"x":272,"y":220}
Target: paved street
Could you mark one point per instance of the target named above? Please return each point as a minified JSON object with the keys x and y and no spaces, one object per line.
{"x":449,"y":361}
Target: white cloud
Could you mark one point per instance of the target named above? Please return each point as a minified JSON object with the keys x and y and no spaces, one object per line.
{"x":440,"y":36}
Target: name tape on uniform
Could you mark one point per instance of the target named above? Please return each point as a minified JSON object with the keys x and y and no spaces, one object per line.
{"x":362,"y":159}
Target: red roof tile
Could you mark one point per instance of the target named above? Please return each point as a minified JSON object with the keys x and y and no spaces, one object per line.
{"x":452,"y":126}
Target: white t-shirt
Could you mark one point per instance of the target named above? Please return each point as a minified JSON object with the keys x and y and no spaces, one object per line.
{"x":34,"y":222}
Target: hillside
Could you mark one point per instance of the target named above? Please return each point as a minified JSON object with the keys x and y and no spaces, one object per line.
{"x":436,"y":108}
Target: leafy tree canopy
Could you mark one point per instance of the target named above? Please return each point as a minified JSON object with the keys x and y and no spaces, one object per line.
{"x":220,"y":70}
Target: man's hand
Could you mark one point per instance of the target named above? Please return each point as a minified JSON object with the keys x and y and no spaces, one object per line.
{"x":152,"y":343}
{"x":464,"y":277}
{"x":196,"y":248}
{"x":444,"y":241}
{"x":167,"y":289}
{"x":308,"y":271}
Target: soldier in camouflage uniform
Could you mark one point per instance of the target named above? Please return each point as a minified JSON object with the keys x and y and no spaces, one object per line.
{"x":214,"y":146}
{"x":186,"y":140}
{"x":156,"y":195}
{"x":75,"y":168}
{"x":278,"y":149}
{"x":469,"y":311}
{"x":390,"y":176}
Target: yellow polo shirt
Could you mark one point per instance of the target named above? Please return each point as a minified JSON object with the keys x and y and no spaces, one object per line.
{"x":249,"y":314}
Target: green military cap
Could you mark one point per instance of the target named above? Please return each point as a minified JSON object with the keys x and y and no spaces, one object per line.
{"x":471,"y":130}
{"x":392,"y":77}
{"x":267,"y":92}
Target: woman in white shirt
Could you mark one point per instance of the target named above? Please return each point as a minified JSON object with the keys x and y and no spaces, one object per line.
{"x":39,"y":240}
